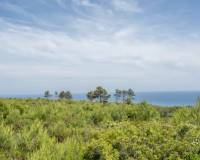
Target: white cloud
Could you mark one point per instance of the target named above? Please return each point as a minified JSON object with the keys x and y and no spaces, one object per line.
{"x":126,"y":5}
{"x":86,"y":3}
{"x":80,"y":54}
{"x":98,"y":47}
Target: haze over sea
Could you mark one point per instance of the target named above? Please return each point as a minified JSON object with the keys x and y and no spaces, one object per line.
{"x":167,"y":98}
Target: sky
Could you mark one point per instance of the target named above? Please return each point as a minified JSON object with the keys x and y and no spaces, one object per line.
{"x":76,"y":45}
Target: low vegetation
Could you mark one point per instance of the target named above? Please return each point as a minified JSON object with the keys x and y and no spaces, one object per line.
{"x":63,"y":129}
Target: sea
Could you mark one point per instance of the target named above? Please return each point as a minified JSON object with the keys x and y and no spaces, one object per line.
{"x":155,"y":98}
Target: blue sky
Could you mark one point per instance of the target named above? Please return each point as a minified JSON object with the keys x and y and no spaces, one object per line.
{"x":148,"y":45}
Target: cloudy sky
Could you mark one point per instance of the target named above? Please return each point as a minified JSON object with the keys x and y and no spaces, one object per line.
{"x":148,"y":45}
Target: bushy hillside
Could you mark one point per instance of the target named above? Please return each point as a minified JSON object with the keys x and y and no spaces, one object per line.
{"x":67,"y":130}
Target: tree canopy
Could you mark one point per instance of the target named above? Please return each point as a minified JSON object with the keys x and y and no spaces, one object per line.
{"x":47,"y":94}
{"x":65,"y":95}
{"x":125,"y":96}
{"x":99,"y":94}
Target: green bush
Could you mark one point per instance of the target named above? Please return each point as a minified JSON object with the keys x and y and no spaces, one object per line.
{"x":61,"y":130}
{"x":7,"y":141}
{"x":100,"y":150}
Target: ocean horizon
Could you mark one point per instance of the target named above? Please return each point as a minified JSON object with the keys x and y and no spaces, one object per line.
{"x":164,"y":98}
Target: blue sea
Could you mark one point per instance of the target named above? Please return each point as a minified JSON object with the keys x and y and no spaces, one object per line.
{"x":156,"y":98}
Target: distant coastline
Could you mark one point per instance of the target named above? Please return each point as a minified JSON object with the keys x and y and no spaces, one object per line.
{"x":164,"y":98}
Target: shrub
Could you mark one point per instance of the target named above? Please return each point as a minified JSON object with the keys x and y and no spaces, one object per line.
{"x":31,"y":139}
{"x":100,"y":150}
{"x":142,"y":112}
{"x":61,"y":130}
{"x":7,"y":141}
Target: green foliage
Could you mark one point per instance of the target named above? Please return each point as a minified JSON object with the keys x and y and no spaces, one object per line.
{"x":47,"y":94}
{"x":65,"y":95}
{"x":99,"y":93}
{"x":125,"y":96}
{"x":100,"y":150}
{"x":7,"y":141}
{"x":45,"y":129}
{"x":188,"y":114}
{"x":31,"y":139}
{"x":69,"y":150}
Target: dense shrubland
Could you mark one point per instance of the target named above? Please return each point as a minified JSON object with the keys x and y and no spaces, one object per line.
{"x":44,"y":129}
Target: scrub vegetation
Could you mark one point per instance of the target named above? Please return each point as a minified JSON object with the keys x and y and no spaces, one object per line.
{"x":44,"y":129}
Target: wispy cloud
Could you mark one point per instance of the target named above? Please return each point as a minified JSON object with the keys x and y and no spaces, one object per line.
{"x":122,"y":49}
{"x":126,"y":5}
{"x":86,"y":3}
{"x":83,"y":42}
